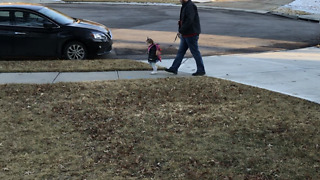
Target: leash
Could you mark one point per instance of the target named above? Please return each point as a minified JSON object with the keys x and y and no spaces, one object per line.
{"x":178,"y":35}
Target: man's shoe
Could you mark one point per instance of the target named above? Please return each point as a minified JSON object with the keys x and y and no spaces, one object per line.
{"x":199,"y":74}
{"x":171,"y":71}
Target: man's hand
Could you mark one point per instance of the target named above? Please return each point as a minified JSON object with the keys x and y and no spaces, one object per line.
{"x":178,"y":35}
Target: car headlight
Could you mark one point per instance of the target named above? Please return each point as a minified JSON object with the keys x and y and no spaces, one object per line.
{"x":99,"y":36}
{"x":110,"y":34}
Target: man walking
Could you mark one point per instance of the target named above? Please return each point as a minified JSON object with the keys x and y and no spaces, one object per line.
{"x":189,"y":30}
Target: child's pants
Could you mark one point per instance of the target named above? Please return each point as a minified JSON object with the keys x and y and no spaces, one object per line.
{"x":154,"y":67}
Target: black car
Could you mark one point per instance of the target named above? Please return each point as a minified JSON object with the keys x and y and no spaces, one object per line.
{"x":39,"y":31}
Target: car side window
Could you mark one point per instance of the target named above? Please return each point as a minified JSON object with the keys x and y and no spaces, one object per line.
{"x":5,"y":18}
{"x":28,"y":19}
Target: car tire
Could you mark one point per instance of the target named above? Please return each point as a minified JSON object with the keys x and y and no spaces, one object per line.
{"x":75,"y":51}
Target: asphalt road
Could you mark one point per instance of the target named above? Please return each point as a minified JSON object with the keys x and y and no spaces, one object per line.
{"x":223,"y":31}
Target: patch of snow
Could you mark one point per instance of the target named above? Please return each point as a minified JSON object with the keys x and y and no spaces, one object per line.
{"x":309,"y":6}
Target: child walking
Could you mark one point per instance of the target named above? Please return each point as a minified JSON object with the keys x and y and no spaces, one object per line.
{"x":153,"y":55}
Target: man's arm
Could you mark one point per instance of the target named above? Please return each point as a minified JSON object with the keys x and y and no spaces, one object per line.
{"x":189,"y":15}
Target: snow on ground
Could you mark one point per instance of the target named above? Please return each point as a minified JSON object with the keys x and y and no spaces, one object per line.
{"x":305,"y":6}
{"x":308,"y":6}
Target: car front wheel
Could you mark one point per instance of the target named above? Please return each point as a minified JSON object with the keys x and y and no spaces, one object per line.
{"x":75,"y":51}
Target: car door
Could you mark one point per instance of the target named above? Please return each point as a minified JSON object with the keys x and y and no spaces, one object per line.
{"x":32,"y":37}
{"x":6,"y":34}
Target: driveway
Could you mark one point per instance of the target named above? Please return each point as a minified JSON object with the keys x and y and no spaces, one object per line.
{"x":223,"y":31}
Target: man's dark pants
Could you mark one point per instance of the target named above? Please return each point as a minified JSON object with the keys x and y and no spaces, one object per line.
{"x":192,"y":44}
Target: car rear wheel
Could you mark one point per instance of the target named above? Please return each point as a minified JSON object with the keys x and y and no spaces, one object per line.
{"x":75,"y":51}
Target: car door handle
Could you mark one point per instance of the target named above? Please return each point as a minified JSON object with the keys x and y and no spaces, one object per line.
{"x":20,"y":33}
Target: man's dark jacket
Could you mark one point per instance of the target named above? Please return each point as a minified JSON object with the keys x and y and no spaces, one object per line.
{"x":189,"y":19}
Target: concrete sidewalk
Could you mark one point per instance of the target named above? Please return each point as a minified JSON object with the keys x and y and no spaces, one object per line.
{"x":56,"y":77}
{"x":294,"y":72}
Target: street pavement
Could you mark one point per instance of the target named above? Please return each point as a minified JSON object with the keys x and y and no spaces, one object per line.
{"x":293,"y":72}
{"x":261,"y":6}
{"x":33,"y":1}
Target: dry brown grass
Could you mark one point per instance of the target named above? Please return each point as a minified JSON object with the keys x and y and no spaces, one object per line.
{"x":72,"y":66}
{"x":285,"y":10}
{"x":173,"y":128}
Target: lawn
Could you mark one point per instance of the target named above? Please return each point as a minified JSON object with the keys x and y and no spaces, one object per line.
{"x":72,"y":65}
{"x":171,"y":128}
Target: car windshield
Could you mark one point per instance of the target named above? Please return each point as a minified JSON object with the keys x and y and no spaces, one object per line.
{"x":57,"y":16}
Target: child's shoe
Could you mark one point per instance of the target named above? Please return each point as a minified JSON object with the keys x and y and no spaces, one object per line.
{"x":153,"y":72}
